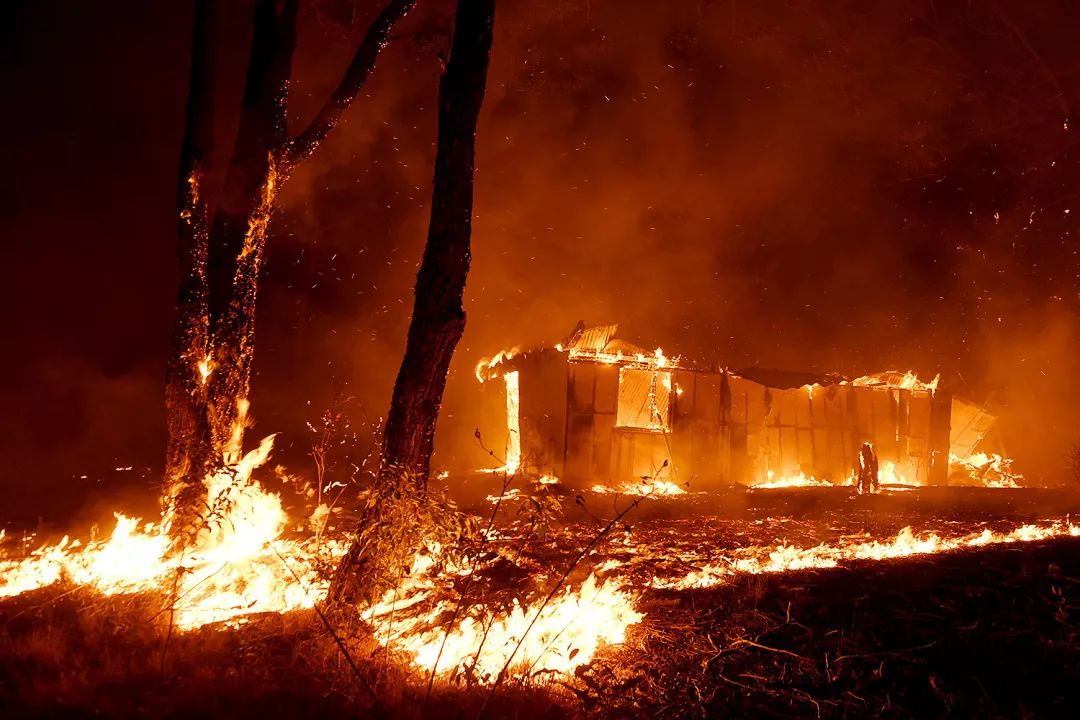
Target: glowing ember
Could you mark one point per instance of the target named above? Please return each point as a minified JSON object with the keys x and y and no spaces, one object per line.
{"x":509,"y":494}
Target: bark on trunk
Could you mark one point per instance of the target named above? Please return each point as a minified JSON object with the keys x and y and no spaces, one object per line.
{"x":438,"y":318}
{"x":210,"y":368}
{"x":209,"y":372}
{"x":189,"y":431}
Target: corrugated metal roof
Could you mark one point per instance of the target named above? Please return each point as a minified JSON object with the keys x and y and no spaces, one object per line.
{"x":593,"y":339}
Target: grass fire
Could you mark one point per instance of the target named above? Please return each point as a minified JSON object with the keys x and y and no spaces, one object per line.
{"x":471,"y":359}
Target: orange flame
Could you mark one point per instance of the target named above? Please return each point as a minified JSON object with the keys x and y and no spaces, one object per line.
{"x":651,"y":486}
{"x":800,"y":480}
{"x":983,"y":470}
{"x":237,"y":566}
{"x":556,"y":637}
{"x":781,"y":558}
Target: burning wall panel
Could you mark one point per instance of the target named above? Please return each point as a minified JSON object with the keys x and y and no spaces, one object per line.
{"x":970,"y":424}
{"x":745,"y":412}
{"x":804,"y":454}
{"x":591,"y":417}
{"x":597,"y":409}
{"x":840,"y":456}
{"x":606,"y":404}
{"x":543,"y":419}
{"x":580,"y":440}
{"x":696,"y":429}
{"x":640,"y":454}
{"x":941,"y":403}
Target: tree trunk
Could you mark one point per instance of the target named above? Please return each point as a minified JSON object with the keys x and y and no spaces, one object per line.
{"x":209,"y":372}
{"x":186,"y":457}
{"x":438,"y":318}
{"x":210,"y":369}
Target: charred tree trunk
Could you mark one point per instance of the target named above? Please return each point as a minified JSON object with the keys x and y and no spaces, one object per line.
{"x":209,"y":372}
{"x":438,"y":318}
{"x":187,"y":452}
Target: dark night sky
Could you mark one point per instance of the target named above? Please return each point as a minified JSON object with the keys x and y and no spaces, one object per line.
{"x":825,"y":186}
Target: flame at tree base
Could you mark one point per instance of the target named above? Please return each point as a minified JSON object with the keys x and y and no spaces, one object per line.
{"x":238,"y":565}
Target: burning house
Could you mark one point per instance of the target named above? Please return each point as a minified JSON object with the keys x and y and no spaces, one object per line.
{"x":597,"y":409}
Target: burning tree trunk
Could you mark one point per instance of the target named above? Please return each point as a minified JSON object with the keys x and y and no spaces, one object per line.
{"x":210,"y":368}
{"x":189,"y":430}
{"x":438,"y":318}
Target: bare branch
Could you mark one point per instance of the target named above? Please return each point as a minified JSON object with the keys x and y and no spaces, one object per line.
{"x":359,"y":70}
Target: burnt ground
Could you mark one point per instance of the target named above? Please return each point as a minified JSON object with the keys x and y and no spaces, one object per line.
{"x":988,"y":633}
{"x":993,"y":632}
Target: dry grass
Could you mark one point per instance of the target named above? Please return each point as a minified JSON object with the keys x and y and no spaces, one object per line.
{"x":71,"y":653}
{"x":993,"y":633}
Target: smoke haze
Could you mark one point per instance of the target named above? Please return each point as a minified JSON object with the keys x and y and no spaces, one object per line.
{"x":793,"y":184}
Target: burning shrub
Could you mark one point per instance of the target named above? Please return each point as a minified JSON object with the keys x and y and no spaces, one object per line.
{"x":399,"y":521}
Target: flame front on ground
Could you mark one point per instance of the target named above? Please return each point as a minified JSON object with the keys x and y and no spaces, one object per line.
{"x":566,"y":633}
{"x":243,"y":566}
{"x":235,"y":568}
{"x":782,"y":558}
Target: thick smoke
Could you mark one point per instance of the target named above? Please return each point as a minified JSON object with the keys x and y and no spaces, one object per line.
{"x":803,"y":185}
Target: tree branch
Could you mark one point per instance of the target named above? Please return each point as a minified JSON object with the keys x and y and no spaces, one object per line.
{"x":199,"y":126}
{"x":359,"y":70}
{"x":273,"y":42}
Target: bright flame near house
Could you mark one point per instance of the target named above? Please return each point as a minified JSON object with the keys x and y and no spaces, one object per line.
{"x":513,"y":420}
{"x":650,"y":487}
{"x":771,"y":481}
{"x":986,"y":469}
